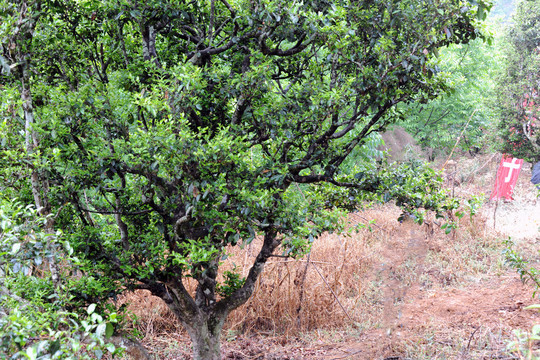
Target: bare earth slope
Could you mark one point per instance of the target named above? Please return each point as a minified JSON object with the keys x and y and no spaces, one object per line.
{"x":409,"y":291}
{"x":473,"y":315}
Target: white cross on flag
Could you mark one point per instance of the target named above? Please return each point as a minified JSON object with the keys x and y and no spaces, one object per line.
{"x":506,"y":178}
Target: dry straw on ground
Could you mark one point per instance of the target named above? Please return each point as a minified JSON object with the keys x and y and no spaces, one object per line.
{"x":394,"y":289}
{"x":335,"y":285}
{"x":321,"y":290}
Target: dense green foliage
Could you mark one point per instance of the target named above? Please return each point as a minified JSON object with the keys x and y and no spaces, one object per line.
{"x":466,"y":109}
{"x":504,"y":9}
{"x":34,"y":320}
{"x":161,"y":133}
{"x":518,"y":86}
{"x":524,"y":340}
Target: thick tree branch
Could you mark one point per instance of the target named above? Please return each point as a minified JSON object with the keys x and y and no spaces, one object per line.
{"x":532,"y":139}
{"x":297,"y":48}
{"x":241,"y":295}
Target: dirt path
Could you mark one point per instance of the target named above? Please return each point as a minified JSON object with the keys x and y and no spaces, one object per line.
{"x":420,"y":294}
{"x":468,"y":318}
{"x":519,"y":219}
{"x":470,"y":323}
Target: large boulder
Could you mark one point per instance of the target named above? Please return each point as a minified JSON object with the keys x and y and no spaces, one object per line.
{"x":535,"y":178}
{"x":401,"y":145}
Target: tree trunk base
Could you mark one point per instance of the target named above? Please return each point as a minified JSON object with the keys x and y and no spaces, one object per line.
{"x":133,"y":349}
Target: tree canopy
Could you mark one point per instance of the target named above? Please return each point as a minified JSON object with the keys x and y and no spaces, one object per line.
{"x":518,"y":86}
{"x":160,"y":133}
{"x":466,"y":109}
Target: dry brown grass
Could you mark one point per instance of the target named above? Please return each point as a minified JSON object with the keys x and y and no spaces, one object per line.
{"x":322,"y":290}
{"x":363,"y":286}
{"x":295,"y":295}
{"x":151,"y":317}
{"x":337,"y":285}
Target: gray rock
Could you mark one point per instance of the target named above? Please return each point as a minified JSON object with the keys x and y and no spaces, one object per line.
{"x":535,"y":178}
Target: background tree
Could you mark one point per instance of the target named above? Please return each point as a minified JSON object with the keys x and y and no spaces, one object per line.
{"x":470,"y":71}
{"x":504,"y":9}
{"x":34,"y":320}
{"x":161,"y":133}
{"x":518,"y":86}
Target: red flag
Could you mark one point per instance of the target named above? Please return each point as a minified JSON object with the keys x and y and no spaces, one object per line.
{"x":506,"y":178}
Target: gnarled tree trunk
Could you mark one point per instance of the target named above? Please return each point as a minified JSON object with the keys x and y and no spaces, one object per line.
{"x":203,"y":316}
{"x":205,"y":336}
{"x":203,"y":322}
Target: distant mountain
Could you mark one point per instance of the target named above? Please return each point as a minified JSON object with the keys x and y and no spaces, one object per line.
{"x":504,"y":8}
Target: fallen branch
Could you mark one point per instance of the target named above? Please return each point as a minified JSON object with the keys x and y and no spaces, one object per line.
{"x":458,"y":139}
{"x":333,"y":293}
{"x":132,"y":347}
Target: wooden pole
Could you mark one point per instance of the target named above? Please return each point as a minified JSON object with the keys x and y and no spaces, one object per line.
{"x":459,"y":139}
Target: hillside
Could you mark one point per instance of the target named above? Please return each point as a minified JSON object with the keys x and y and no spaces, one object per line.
{"x":391,"y":291}
{"x":504,"y":8}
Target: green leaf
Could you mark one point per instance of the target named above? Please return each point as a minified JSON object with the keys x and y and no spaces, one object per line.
{"x":91,"y":309}
{"x":481,"y":14}
{"x":6,"y":70}
{"x":98,"y":353}
{"x":15,"y":248}
{"x":38,"y":260}
{"x":110,"y":330}
{"x":101,"y":329}
{"x":31,"y":353}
